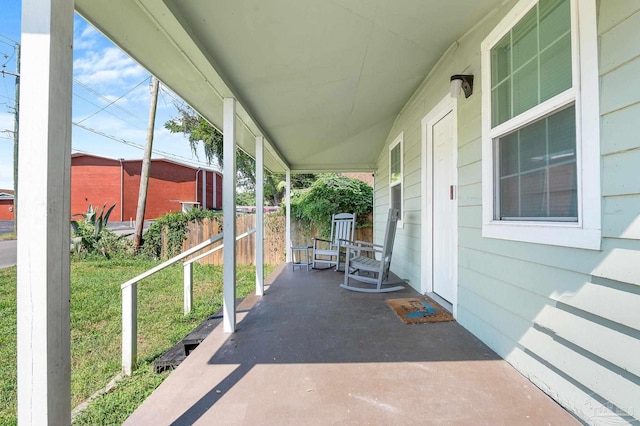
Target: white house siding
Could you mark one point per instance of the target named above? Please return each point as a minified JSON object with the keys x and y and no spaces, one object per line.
{"x":569,"y":319}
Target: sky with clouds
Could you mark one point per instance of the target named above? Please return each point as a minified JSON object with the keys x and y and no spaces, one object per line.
{"x":111,"y":96}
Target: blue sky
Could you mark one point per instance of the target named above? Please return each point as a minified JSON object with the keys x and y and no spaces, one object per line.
{"x":102,"y":74}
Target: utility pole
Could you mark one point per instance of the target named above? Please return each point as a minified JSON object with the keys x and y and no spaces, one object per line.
{"x":15,"y":136}
{"x":15,"y":142}
{"x":146,"y":164}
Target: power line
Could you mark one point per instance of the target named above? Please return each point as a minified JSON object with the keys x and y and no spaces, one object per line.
{"x":106,"y":135}
{"x":138,"y":146}
{"x":9,"y":57}
{"x":7,"y":38}
{"x":171,"y":94}
{"x":108,"y":112}
{"x":91,"y":90}
{"x":112,"y":102}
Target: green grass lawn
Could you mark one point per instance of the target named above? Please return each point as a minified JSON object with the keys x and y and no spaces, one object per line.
{"x":96,"y":327}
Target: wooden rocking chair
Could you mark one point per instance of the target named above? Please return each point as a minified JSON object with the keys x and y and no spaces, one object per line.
{"x":343,"y":229}
{"x":361,"y":258}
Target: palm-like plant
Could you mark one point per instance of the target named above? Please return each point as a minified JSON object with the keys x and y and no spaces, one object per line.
{"x":88,"y":231}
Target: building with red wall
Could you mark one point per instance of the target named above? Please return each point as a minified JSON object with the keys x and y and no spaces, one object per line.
{"x":6,"y":204}
{"x":98,"y":180}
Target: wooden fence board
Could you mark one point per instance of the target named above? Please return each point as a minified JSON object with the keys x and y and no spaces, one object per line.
{"x":274,"y":238}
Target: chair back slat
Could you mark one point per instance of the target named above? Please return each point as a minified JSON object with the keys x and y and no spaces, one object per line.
{"x":367,"y":270}
{"x":390,"y":235}
{"x":343,"y":227}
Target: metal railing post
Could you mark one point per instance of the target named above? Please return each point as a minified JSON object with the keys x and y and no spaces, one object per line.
{"x":188,"y":287}
{"x":129,"y":328}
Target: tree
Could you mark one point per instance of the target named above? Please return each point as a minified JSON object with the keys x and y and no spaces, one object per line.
{"x":200,"y":131}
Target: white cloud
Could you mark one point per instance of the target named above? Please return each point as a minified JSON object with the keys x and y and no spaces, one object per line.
{"x":7,"y":121}
{"x":109,"y":66}
{"x":85,"y":37}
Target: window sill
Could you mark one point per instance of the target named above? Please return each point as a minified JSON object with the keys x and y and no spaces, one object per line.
{"x":555,"y":234}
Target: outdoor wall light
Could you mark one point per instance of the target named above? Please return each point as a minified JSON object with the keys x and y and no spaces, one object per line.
{"x":461,"y":81}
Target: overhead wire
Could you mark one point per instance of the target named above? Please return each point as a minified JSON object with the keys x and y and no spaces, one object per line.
{"x":8,"y":59}
{"x":137,"y":125}
{"x":110,"y":102}
{"x":7,"y":38}
{"x":168,"y":155}
{"x":114,"y":101}
{"x":104,"y":98}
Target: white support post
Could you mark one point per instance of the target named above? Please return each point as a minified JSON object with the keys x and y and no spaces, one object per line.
{"x":229,"y":216}
{"x":259,"y":216}
{"x":188,"y":287}
{"x":288,"y":218}
{"x":129,"y":328}
{"x":43,"y":277}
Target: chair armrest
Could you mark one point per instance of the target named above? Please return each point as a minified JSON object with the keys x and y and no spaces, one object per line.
{"x":351,"y":247}
{"x":316,"y":240}
{"x":343,"y":243}
{"x":368,"y":244}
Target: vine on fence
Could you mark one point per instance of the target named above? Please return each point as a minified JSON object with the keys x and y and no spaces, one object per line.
{"x":172,"y":228}
{"x":331,"y":194}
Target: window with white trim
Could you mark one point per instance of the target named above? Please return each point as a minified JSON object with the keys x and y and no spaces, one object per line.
{"x":540,"y":129}
{"x":396,"y":178}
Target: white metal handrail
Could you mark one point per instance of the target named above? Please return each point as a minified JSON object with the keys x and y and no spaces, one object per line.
{"x":173,"y":260}
{"x":215,"y":249}
{"x":130,"y":296}
{"x":188,"y":271}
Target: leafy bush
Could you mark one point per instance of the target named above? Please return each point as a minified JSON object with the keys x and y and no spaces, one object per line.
{"x":105,"y":243}
{"x":328,"y":195}
{"x":176,"y":226}
{"x":90,"y":235}
{"x":245,"y":199}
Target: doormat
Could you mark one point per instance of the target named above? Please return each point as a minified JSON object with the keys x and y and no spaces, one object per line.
{"x":419,"y":310}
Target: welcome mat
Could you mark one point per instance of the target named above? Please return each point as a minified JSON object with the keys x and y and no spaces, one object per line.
{"x":419,"y":310}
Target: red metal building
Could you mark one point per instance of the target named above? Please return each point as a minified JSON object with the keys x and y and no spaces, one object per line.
{"x":173,"y":186}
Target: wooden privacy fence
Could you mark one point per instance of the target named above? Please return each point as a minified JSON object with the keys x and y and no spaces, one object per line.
{"x":274,"y":238}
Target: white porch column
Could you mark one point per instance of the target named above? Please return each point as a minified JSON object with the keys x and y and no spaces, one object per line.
{"x":229,"y":216}
{"x":259,"y":215}
{"x":288,"y":219}
{"x":44,"y":348}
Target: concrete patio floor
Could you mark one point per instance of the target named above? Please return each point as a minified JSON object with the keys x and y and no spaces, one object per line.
{"x":311,"y":353}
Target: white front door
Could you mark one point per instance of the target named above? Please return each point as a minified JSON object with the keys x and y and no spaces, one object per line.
{"x":439,"y":202}
{"x":444,"y":208}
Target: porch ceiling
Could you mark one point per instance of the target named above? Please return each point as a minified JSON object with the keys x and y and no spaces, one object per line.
{"x":322,"y":80}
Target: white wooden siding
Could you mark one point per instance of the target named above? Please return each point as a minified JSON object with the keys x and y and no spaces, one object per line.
{"x":566,"y":318}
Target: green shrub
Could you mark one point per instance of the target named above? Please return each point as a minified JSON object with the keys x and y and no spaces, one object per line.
{"x":88,"y":243}
{"x":90,"y":235}
{"x":246,"y":199}
{"x":175,"y":224}
{"x":328,"y":195}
